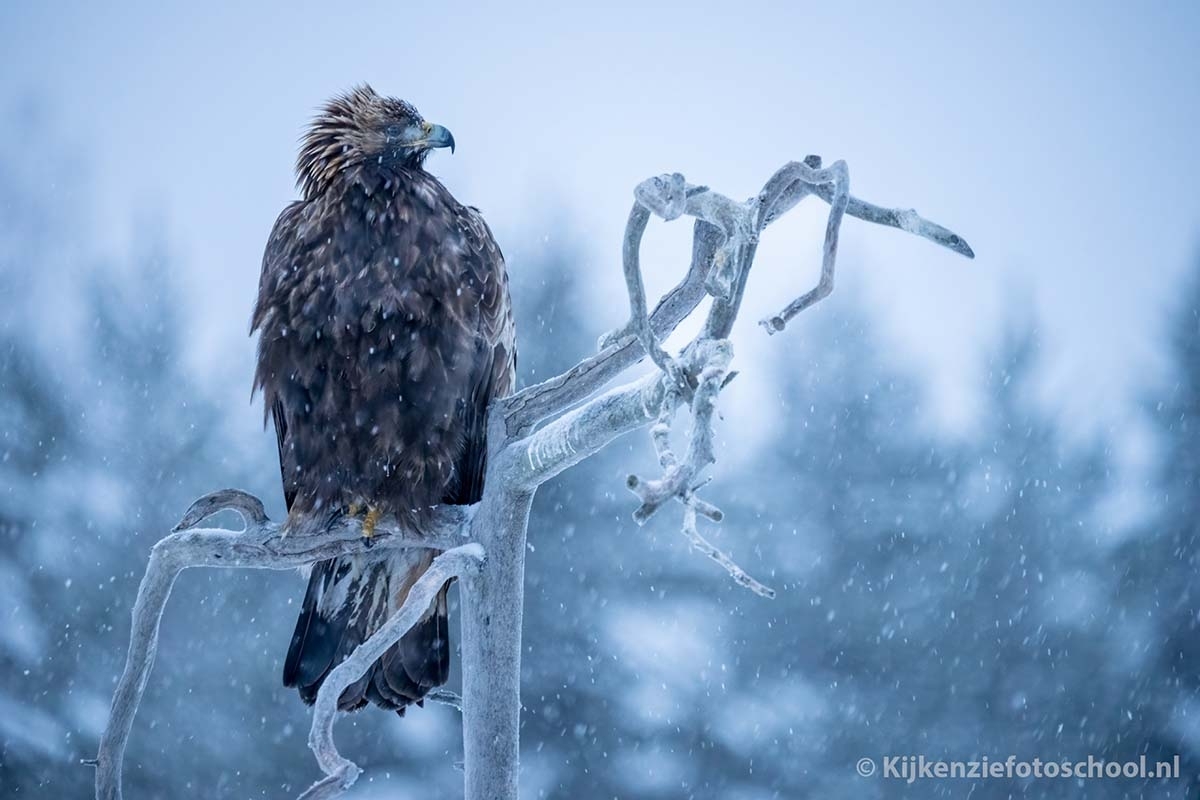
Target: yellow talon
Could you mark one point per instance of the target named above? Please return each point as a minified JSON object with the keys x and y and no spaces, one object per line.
{"x":353,"y":510}
{"x":370,"y":521}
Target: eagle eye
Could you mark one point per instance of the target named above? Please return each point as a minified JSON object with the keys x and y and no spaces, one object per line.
{"x":394,"y":133}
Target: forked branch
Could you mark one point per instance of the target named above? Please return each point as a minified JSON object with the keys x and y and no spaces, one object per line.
{"x":704,"y":370}
{"x":259,"y":545}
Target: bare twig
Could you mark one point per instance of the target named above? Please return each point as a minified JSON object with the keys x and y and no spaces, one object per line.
{"x":639,"y":322}
{"x":340,"y":772}
{"x":787,"y":192}
{"x":674,"y":306}
{"x":812,"y":179}
{"x":446,"y":697}
{"x":712,"y":359}
{"x":708,"y":361}
{"x":701,"y":544}
{"x":906,"y":219}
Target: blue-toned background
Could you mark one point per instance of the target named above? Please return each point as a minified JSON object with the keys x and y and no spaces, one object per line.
{"x":974,"y":483}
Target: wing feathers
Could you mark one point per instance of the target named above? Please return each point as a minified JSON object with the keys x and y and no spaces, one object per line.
{"x":385,"y":332}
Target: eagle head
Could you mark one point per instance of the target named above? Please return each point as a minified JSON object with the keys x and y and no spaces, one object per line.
{"x":362,"y":127}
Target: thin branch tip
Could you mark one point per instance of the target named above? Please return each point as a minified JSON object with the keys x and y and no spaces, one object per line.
{"x":773,"y":324}
{"x":446,"y":697}
{"x":332,"y":786}
{"x":244,"y":504}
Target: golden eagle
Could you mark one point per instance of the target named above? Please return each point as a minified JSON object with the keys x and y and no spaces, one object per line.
{"x":385,"y":330}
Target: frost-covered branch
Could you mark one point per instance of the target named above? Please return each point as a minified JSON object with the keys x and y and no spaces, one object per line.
{"x":729,"y":255}
{"x":532,"y":436}
{"x":340,"y":772}
{"x":259,"y":545}
{"x":787,"y":191}
{"x":809,"y":176}
{"x":707,"y":368}
{"x":584,"y":431}
{"x":694,"y":507}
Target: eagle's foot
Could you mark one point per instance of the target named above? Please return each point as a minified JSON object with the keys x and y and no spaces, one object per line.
{"x":370,"y":521}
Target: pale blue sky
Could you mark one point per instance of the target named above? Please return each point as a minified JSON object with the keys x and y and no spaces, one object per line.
{"x":1059,"y":139}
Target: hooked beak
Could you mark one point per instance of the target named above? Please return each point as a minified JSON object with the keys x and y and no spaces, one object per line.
{"x":437,"y":136}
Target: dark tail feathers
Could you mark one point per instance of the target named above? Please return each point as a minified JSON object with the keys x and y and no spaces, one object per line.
{"x":347,"y":600}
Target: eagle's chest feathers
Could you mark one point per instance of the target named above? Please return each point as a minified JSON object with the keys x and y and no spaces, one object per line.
{"x":372,"y":341}
{"x":376,"y":255}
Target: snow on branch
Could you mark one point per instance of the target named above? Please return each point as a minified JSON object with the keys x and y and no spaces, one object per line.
{"x":533,"y":436}
{"x":723,"y":252}
{"x":723,"y":230}
{"x":702,"y":377}
{"x":340,"y":772}
{"x":260,"y":544}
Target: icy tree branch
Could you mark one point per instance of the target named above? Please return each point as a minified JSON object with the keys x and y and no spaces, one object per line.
{"x":694,"y":507}
{"x":259,"y":545}
{"x":340,"y":772}
{"x":708,"y":368}
{"x":532,"y":436}
{"x":809,"y":176}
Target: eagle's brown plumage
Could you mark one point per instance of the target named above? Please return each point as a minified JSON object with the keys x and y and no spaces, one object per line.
{"x":385,"y":330}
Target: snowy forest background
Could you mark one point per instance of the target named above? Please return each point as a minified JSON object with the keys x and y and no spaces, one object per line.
{"x":955,"y":595}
